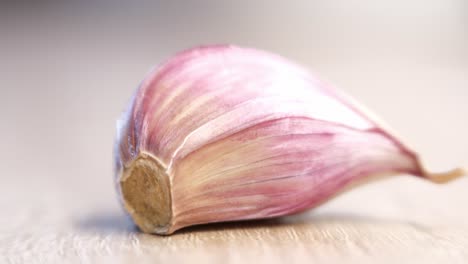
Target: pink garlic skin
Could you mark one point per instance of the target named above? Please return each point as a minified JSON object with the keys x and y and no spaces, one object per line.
{"x":246,"y":134}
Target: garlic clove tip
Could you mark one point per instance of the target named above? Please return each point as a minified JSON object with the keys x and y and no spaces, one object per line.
{"x":444,"y":177}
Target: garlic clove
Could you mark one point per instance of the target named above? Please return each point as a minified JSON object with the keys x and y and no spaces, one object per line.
{"x":286,"y":166}
{"x":222,"y":133}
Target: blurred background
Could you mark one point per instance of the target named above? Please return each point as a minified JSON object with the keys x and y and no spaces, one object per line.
{"x":68,"y":68}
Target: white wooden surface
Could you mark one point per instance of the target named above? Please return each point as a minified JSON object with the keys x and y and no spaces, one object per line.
{"x":68,"y":69}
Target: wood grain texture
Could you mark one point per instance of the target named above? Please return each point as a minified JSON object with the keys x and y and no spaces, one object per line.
{"x":395,"y":226}
{"x":68,"y":68}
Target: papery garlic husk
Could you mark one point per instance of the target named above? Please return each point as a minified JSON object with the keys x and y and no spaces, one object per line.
{"x":223,"y":133}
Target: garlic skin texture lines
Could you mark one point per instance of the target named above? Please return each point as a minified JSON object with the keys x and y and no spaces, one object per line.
{"x":223,"y":133}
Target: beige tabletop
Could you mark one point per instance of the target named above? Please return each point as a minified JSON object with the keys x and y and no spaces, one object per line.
{"x":67,"y":70}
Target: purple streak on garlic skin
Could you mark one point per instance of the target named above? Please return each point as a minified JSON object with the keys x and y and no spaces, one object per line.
{"x":244,"y":134}
{"x":251,"y":78}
